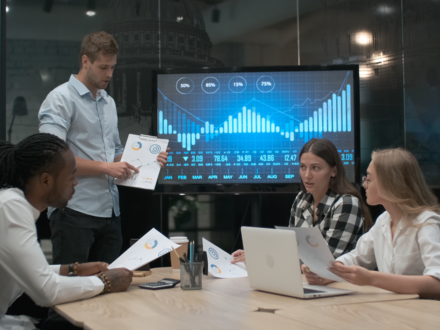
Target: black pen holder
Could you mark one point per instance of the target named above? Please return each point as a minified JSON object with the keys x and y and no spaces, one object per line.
{"x":191,"y":275}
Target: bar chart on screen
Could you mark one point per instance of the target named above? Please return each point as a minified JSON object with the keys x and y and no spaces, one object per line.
{"x":333,"y":115}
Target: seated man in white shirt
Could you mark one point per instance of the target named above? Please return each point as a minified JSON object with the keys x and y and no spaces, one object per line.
{"x":36,"y":173}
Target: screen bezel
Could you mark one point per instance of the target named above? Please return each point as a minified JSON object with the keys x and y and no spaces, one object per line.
{"x":3,"y":71}
{"x":251,"y":188}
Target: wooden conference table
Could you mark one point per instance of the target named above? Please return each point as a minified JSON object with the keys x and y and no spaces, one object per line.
{"x":231,"y":303}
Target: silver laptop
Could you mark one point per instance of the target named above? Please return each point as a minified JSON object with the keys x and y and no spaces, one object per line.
{"x":273,"y":264}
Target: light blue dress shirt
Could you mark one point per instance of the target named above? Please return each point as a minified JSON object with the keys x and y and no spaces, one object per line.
{"x":90,"y":128}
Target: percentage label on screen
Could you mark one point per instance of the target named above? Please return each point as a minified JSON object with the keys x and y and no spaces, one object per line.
{"x":210,"y":85}
{"x":265,"y":84}
{"x":184,"y":85}
{"x":237,"y":84}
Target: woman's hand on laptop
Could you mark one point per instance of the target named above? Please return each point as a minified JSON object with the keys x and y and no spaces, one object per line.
{"x":238,"y":257}
{"x":312,"y":278}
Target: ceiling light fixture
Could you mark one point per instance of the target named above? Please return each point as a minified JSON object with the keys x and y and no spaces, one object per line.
{"x":385,"y":9}
{"x":91,"y":8}
{"x":363,"y":38}
{"x":7,"y":9}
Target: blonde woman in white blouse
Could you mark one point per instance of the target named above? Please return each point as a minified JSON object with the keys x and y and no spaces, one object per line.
{"x":404,"y":243}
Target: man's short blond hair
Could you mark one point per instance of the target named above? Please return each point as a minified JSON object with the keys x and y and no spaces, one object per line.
{"x":98,"y":42}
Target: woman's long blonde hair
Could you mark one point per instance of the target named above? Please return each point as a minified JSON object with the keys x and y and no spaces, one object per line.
{"x":401,"y":181}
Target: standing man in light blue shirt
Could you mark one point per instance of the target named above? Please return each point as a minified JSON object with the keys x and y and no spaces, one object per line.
{"x":85,"y":116}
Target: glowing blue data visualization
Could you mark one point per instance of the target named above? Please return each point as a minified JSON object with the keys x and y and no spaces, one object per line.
{"x":333,"y":116}
{"x":249,"y":127}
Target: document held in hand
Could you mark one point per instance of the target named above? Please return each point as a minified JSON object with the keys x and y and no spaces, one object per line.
{"x":314,"y":252}
{"x":148,"y":248}
{"x":219,"y":262}
{"x":141,"y":151}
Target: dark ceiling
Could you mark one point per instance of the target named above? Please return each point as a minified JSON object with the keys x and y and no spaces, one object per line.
{"x":99,"y":3}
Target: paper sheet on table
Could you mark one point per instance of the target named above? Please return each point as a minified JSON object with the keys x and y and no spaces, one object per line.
{"x":314,"y":252}
{"x":141,"y":151}
{"x":219,"y":262}
{"x":150,"y":247}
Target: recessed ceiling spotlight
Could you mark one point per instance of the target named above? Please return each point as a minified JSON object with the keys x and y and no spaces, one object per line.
{"x":363,"y":38}
{"x":91,"y":8}
{"x":385,"y":9}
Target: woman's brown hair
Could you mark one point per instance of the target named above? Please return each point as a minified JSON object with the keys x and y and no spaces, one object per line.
{"x":326,"y":150}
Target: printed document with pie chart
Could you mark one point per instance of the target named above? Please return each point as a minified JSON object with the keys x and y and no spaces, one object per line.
{"x":219,"y":262}
{"x":314,"y":252}
{"x":141,"y":151}
{"x":148,"y":248}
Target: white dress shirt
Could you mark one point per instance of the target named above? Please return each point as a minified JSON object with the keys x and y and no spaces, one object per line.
{"x":415,"y":250}
{"x":23,"y":267}
{"x":90,"y":127}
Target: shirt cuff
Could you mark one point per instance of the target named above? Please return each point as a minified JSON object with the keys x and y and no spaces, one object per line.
{"x":53,"y":129}
{"x":98,"y":284}
{"x":55,"y":268}
{"x":434,"y":272}
{"x":118,"y":153}
{"x":346,"y":260}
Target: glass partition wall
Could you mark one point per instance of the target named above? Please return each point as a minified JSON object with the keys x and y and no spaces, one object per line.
{"x":395,"y":43}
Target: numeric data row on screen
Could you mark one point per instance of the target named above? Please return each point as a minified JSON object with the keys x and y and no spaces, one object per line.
{"x":275,"y":166}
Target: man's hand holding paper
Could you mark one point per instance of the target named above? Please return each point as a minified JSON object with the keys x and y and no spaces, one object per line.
{"x":145,"y":156}
{"x":120,"y":170}
{"x":162,"y":158}
{"x":148,"y":248}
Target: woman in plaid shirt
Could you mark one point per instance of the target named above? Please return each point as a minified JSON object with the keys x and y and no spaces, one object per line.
{"x":327,"y":199}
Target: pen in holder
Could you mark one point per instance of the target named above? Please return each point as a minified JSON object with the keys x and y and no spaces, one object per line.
{"x":191,"y":275}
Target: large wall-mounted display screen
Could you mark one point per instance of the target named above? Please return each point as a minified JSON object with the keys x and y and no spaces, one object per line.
{"x":249,"y":126}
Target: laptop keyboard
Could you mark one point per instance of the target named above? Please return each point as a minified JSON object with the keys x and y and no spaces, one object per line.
{"x":312,"y":291}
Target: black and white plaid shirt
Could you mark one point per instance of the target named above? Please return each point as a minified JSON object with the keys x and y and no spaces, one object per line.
{"x":339,"y":219}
